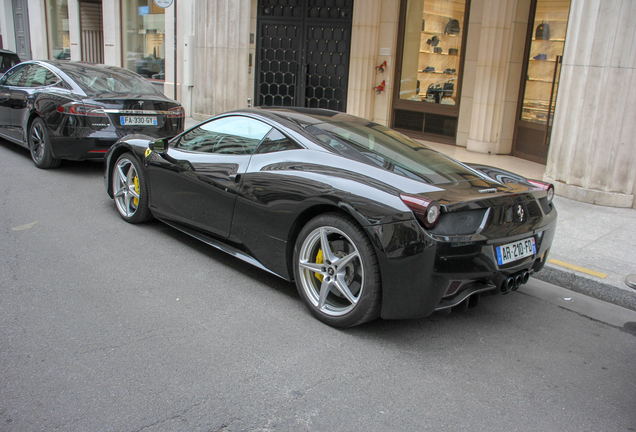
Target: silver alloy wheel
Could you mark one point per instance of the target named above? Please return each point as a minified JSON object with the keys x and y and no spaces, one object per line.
{"x":126,"y":187}
{"x":331,"y":271}
{"x":37,"y":142}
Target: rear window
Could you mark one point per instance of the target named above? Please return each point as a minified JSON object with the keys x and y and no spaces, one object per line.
{"x":378,"y":145}
{"x":97,"y":81}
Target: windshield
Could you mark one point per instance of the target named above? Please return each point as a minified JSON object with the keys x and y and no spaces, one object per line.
{"x":95,"y":81}
{"x":375,"y":144}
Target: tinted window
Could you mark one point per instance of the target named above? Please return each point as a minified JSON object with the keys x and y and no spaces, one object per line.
{"x":95,"y":81}
{"x":275,"y":142}
{"x":227,"y":135}
{"x":39,"y":76}
{"x":14,"y":76}
{"x":378,"y":145}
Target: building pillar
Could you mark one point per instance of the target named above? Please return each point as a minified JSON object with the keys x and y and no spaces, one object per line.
{"x":37,"y":29}
{"x":365,"y":30}
{"x":492,"y":74}
{"x":74,"y":29}
{"x":111,"y":18}
{"x":592,"y":155}
{"x":222,"y":31}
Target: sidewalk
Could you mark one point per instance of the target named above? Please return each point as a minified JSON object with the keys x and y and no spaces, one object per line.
{"x":594,"y":248}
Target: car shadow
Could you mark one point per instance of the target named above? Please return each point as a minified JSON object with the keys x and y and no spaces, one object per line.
{"x":88,"y":168}
{"x":258,"y":275}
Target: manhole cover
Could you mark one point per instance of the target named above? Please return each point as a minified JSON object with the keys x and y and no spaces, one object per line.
{"x":630,"y":326}
{"x":630,"y":280}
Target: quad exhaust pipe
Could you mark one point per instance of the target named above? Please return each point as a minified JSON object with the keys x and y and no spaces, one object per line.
{"x":512,"y":283}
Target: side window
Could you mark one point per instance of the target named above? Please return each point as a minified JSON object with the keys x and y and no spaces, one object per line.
{"x":227,"y":135}
{"x":15,"y":75}
{"x":275,"y":142}
{"x":39,"y":76}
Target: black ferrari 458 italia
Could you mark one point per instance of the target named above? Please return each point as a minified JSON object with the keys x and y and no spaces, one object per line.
{"x":368,"y":222}
{"x":75,"y":110}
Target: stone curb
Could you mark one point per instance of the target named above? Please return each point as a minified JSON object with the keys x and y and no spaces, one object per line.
{"x":588,"y":285}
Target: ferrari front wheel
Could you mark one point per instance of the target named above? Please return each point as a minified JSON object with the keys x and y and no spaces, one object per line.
{"x":336,"y":271}
{"x":130,"y":190}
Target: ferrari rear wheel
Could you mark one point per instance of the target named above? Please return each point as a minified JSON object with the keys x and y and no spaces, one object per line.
{"x":130,"y":190}
{"x":40,"y":147}
{"x":336,"y":271}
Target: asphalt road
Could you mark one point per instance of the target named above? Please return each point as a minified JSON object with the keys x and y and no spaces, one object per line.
{"x":106,"y":326}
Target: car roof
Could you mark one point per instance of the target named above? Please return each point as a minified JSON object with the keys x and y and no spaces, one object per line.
{"x":302,"y":116}
{"x":77,"y":66}
{"x":4,"y":51}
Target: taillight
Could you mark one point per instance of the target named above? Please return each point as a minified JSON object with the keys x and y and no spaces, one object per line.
{"x":548,"y":187}
{"x":80,"y":108}
{"x":426,"y":211}
{"x":176,"y":112}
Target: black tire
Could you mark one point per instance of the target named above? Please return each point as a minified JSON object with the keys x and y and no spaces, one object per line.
{"x":130,"y":189}
{"x":342,"y":288}
{"x":40,"y":145}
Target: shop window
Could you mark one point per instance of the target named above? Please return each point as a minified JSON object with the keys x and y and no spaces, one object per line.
{"x":544,"y":57}
{"x":540,"y":79}
{"x":143,"y":38}
{"x":57,"y":25}
{"x":431,"y":51}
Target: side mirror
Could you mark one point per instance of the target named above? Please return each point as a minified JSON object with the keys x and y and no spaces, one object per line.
{"x":159,"y":145}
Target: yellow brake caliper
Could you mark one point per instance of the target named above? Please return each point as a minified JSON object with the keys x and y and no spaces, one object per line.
{"x":136,"y":200}
{"x":319,"y":260}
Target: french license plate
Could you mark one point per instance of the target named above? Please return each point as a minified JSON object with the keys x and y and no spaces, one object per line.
{"x":138,"y":120}
{"x":516,"y":250}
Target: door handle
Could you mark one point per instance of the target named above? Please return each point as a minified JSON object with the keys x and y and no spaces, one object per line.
{"x":235,"y":177}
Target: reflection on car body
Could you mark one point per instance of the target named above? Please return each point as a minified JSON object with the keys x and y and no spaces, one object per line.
{"x":367,"y":222}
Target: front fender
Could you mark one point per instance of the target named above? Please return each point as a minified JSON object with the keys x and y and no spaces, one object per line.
{"x":134,"y":144}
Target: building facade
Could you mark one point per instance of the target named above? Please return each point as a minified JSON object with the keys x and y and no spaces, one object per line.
{"x":551,"y":81}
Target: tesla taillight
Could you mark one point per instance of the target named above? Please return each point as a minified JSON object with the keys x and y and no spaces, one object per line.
{"x":80,"y":108}
{"x":176,"y":112}
{"x":426,"y":210}
{"x":548,"y":187}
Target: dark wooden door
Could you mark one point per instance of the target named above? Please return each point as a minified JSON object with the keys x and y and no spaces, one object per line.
{"x":21,"y":23}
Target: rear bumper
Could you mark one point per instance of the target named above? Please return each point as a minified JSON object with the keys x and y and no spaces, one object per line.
{"x":89,"y":144}
{"x":421,"y":274}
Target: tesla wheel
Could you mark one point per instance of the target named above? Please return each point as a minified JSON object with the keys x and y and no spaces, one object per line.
{"x":130,"y":190}
{"x":40,"y":146}
{"x":337,"y":272}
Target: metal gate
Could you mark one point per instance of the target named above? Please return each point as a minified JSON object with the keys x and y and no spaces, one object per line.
{"x":303,"y":53}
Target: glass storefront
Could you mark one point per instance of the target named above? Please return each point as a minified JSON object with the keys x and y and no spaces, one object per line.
{"x":57,"y":26}
{"x":540,"y":81}
{"x":546,"y":50}
{"x":143,"y":33}
{"x":430,"y":65}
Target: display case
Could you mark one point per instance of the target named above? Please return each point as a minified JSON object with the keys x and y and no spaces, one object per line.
{"x":440,"y":47}
{"x":546,"y":48}
{"x":430,"y":64}
{"x":540,"y":79}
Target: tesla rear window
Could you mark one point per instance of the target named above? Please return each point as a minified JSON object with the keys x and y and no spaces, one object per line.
{"x":379,"y":145}
{"x":94,"y":81}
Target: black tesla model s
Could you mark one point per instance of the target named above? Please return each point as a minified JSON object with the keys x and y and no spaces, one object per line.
{"x":368,"y":222}
{"x":75,"y":110}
